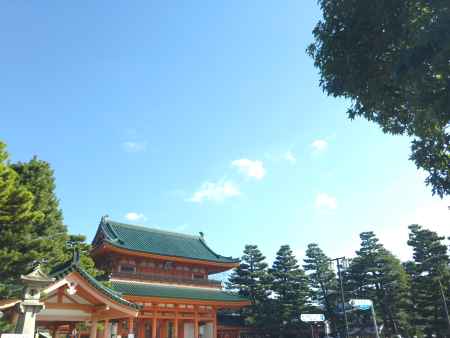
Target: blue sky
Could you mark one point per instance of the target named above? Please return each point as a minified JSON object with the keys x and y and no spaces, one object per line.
{"x":201,"y":117}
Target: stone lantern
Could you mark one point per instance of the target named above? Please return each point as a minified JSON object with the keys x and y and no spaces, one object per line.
{"x":34,"y":283}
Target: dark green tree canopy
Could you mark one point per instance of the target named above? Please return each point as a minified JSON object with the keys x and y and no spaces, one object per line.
{"x":322,"y":282}
{"x":31,"y":223}
{"x":290,"y":287}
{"x":430,"y":276}
{"x":38,"y":178}
{"x":390,"y":58}
{"x":19,"y":247}
{"x":251,"y":280}
{"x":377,"y":274}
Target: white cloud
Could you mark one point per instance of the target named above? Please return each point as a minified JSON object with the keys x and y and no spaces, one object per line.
{"x":134,"y":216}
{"x":319,"y":145}
{"x":250,"y":168}
{"x":433,"y":215}
{"x":290,"y":157}
{"x":325,"y":201}
{"x":215,"y":191}
{"x":300,"y":255}
{"x":133,"y":146}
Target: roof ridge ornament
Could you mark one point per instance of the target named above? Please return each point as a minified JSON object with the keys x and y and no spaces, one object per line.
{"x":36,"y":276}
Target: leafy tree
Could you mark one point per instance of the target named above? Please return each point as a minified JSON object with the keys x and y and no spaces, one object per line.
{"x":31,"y":223}
{"x":290,"y":287}
{"x":322,"y":281}
{"x":429,"y":271}
{"x":390,"y":58}
{"x":250,"y":278}
{"x":378,"y":275}
{"x":38,"y":178}
{"x":57,"y":246}
{"x":19,"y":249}
{"x":6,"y":326}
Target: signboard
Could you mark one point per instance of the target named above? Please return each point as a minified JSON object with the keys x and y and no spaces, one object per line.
{"x":363,"y":304}
{"x":312,"y":317}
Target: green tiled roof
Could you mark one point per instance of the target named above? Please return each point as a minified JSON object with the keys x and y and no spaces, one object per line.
{"x":163,"y":291}
{"x":155,"y":241}
{"x":73,"y":265}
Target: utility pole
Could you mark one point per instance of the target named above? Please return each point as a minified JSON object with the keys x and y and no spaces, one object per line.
{"x":444,"y":301}
{"x":338,"y":263}
{"x":441,"y":289}
{"x":375,"y":326}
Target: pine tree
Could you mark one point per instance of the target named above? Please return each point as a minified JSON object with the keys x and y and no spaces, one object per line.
{"x":322,"y":281}
{"x":429,"y":271}
{"x":56,"y":245}
{"x":377,"y":274}
{"x":290,"y":287}
{"x":250,"y":279}
{"x":19,"y":249}
{"x":38,"y":178}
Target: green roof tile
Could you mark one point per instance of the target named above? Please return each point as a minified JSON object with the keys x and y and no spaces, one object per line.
{"x":155,"y":241}
{"x":163,"y":291}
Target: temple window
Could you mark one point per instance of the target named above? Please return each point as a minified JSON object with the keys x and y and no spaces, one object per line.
{"x":198,"y":276}
{"x":127,"y":268}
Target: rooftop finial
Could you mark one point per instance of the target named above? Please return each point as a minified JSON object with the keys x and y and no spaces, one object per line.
{"x":104,"y":218}
{"x":202,"y":235}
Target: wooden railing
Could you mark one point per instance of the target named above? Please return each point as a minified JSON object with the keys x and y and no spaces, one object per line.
{"x":143,"y":276}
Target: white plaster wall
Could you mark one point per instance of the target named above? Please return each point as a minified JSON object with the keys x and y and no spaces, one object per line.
{"x":208,"y":330}
{"x":188,"y":330}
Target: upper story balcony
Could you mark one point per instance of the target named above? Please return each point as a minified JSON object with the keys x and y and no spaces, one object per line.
{"x":166,"y":278}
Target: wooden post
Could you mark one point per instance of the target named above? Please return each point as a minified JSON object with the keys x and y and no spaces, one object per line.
{"x":154,"y":322}
{"x":130,"y":327}
{"x":54,"y":331}
{"x":140,"y":329}
{"x":106,"y":330}
{"x":175,"y":326}
{"x":196,"y":324}
{"x":162,"y":328}
{"x":93,"y":331}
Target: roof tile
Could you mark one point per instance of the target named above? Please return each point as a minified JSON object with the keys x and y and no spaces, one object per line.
{"x":164,"y":291}
{"x":155,"y":241}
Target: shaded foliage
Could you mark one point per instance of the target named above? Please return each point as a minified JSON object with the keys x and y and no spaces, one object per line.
{"x":378,"y":275}
{"x":251,"y":280}
{"x":32,"y":230}
{"x":390,"y":58}
{"x":429,"y":271}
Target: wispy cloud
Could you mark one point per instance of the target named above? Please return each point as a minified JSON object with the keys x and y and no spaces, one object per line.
{"x":134,"y":216}
{"x":290,"y":157}
{"x":215,"y":191}
{"x":432,"y":215}
{"x":250,"y":168}
{"x":134,"y":146}
{"x":325,"y":201}
{"x":319,"y":145}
